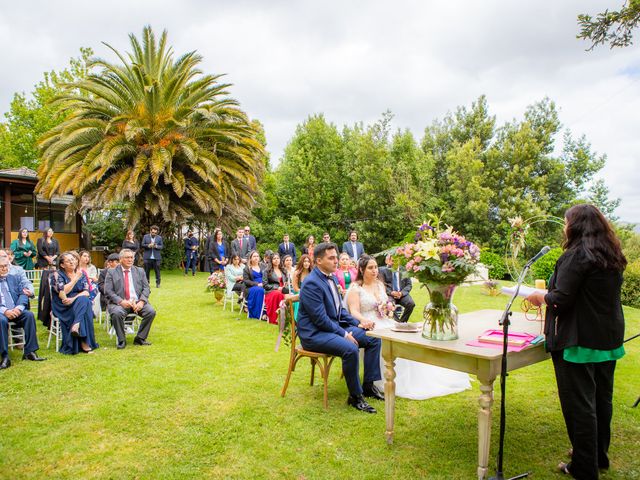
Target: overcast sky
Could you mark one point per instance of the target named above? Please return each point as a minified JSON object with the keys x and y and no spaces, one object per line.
{"x":353,"y":60}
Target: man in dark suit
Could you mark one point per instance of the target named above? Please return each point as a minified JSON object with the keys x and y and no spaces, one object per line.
{"x":325,"y":326}
{"x":240,"y":246}
{"x":250,"y":238}
{"x":13,"y":308}
{"x":152,"y":256}
{"x":398,"y":288}
{"x":287,"y":248}
{"x":191,"y":245}
{"x":127,"y":291}
{"x":353,"y":247}
{"x":113,"y":260}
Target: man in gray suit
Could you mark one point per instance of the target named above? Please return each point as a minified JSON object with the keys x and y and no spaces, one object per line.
{"x":240,"y":246}
{"x":127,"y":291}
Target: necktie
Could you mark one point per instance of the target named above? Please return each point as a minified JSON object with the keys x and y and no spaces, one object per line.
{"x":127,"y":293}
{"x":8,"y":299}
{"x":355,"y":253}
{"x":396,"y":282}
{"x":286,"y":247}
{"x":241,"y":244}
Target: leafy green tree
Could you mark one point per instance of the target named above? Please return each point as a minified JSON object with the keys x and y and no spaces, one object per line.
{"x":155,"y":133}
{"x":308,"y":181}
{"x":612,"y":27}
{"x":29,"y":117}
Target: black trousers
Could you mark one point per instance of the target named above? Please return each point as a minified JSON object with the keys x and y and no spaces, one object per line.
{"x":586,"y":398}
{"x":148,"y":265}
{"x":408,"y":304}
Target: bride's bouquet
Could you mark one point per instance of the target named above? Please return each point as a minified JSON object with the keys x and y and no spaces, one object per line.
{"x":386,"y":309}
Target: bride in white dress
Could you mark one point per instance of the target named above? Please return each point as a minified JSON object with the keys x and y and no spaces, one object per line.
{"x":414,"y":380}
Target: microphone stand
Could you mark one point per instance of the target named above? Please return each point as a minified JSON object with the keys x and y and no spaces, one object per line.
{"x":504,"y":322}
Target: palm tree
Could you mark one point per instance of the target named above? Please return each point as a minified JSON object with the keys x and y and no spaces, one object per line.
{"x":156,"y":134}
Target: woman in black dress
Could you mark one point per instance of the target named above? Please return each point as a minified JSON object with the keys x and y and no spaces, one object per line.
{"x":584,"y":329}
{"x":48,"y":250}
{"x":131,"y":243}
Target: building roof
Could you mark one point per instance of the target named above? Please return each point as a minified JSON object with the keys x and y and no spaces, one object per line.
{"x":21,"y":172}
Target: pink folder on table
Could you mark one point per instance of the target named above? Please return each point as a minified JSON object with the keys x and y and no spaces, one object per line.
{"x":517,"y":341}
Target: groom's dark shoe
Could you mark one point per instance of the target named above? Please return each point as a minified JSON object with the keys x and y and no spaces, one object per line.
{"x":371,"y":391}
{"x":359,"y":403}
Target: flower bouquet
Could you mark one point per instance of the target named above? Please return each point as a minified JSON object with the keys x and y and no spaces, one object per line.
{"x":217,"y":284}
{"x":386,"y":309}
{"x":440,"y":259}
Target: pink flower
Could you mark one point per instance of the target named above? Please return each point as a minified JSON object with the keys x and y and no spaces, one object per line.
{"x":409,"y":264}
{"x":418,"y":259}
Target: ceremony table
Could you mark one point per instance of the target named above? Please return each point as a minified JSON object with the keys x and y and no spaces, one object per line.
{"x":484,"y":363}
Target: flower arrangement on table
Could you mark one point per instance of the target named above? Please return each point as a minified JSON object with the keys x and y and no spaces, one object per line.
{"x":440,"y":259}
{"x":386,"y":309}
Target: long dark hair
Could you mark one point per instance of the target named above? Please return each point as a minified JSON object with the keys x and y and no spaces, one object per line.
{"x":588,"y":231}
{"x":362,"y":267}
{"x":269,"y":269}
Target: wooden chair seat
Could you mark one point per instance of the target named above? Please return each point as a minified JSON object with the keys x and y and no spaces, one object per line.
{"x":322,"y":360}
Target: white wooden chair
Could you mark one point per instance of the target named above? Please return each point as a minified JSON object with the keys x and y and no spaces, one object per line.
{"x":35,"y":277}
{"x":230,"y":299}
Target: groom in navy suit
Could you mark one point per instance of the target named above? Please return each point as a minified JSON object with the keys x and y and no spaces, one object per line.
{"x":325,"y":326}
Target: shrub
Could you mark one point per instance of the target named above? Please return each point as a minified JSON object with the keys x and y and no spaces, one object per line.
{"x":172,"y":254}
{"x":543,"y":268}
{"x":631,"y":285}
{"x":495,"y":263}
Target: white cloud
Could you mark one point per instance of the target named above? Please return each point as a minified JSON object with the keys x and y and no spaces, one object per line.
{"x":353,"y":60}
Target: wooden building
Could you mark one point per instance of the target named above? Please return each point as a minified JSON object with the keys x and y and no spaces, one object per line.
{"x":21,"y":208}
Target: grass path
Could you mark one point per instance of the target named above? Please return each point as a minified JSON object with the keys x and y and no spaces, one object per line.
{"x":203,"y":402}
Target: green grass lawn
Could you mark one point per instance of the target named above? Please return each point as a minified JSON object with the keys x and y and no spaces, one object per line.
{"x":204,"y":402}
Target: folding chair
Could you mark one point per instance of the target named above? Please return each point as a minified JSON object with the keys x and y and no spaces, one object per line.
{"x":322,"y":360}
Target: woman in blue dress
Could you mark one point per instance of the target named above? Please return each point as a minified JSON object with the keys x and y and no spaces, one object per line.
{"x":253,"y":276}
{"x":220,"y":251}
{"x":70,"y":302}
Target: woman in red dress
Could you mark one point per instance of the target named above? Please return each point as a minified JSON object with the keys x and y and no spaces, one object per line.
{"x":274,"y":287}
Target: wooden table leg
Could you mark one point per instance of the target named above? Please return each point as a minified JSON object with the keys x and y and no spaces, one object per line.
{"x":389,"y":390}
{"x":484,"y":426}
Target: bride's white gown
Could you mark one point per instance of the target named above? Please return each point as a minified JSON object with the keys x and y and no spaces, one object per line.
{"x":414,"y":380}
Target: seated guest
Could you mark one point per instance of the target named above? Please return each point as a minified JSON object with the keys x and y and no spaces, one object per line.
{"x":113,"y":260}
{"x":309,"y":245}
{"x":325,"y":326}
{"x":24,"y":250}
{"x":17,"y":271}
{"x":302,"y":270}
{"x":253,"y":277}
{"x":90,"y":271}
{"x":345,"y":273}
{"x":287,"y":248}
{"x":71,"y":304}
{"x":287,"y":272}
{"x":398,"y":288}
{"x":234,"y":275}
{"x":127,"y":290}
{"x":275,"y":289}
{"x":13,"y":308}
{"x":266,"y":259}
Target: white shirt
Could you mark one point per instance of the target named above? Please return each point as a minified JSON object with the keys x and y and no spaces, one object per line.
{"x":355,"y":251}
{"x":133,"y":296}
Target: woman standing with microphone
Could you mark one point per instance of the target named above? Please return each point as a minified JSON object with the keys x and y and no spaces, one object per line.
{"x":584,"y":328}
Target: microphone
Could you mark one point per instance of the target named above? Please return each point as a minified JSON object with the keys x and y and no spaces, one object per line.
{"x":538,"y":255}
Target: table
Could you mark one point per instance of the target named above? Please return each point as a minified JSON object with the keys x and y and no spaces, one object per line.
{"x":484,"y":363}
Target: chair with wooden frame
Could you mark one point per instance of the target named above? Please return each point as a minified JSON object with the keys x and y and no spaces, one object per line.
{"x":322,"y":360}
